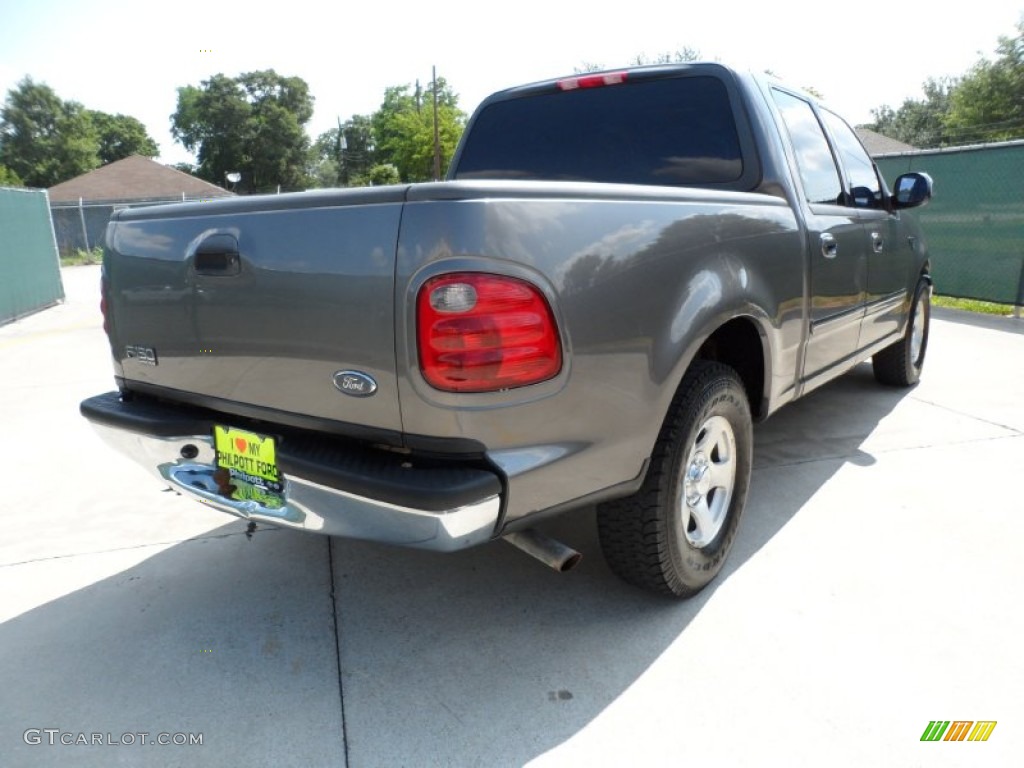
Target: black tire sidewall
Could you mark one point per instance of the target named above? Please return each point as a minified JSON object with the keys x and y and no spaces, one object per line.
{"x":695,"y":567}
{"x":922,"y":302}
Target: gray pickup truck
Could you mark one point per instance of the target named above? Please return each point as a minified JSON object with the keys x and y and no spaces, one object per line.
{"x":621,"y":273}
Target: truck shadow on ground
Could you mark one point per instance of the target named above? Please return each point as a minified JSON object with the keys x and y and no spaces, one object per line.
{"x":221,"y":636}
{"x":487,"y":658}
{"x":480,"y":658}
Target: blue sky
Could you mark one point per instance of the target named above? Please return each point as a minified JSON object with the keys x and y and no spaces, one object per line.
{"x":129,"y":57}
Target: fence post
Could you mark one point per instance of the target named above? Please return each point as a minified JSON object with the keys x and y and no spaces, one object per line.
{"x":1020,"y":291}
{"x":85,"y":232}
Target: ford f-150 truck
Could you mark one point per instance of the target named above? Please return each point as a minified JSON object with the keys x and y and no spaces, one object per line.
{"x":621,"y":272}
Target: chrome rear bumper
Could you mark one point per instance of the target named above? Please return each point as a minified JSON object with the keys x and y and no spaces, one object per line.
{"x":309,"y":505}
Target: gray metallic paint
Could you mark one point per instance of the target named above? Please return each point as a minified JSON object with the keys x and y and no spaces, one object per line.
{"x":315,"y":290}
{"x":638,"y":279}
{"x":637,"y":285}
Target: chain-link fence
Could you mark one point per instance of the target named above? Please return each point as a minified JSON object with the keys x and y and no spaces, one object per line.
{"x":29,"y":268}
{"x":975,"y":222}
{"x":83,"y":225}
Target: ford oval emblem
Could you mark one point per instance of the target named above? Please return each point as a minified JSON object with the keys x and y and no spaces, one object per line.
{"x":355,"y":383}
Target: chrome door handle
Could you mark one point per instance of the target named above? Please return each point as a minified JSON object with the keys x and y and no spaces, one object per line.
{"x":877,"y":243}
{"x":829,"y":246}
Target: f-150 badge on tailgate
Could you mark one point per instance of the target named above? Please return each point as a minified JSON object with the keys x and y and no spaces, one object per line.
{"x":355,"y":383}
{"x":145,"y":355}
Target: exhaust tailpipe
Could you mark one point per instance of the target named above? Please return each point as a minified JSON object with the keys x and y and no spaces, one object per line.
{"x":553,"y":554}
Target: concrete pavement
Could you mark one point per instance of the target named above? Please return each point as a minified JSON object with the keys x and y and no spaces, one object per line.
{"x":873,"y":588}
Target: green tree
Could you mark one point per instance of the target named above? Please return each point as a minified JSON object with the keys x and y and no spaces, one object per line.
{"x":46,"y":140}
{"x":988,"y":105}
{"x":253,"y":124}
{"x":403,"y":128}
{"x":9,"y":178}
{"x":382,"y":175}
{"x":121,"y":136}
{"x":358,"y":151}
{"x":919,"y":122}
{"x":343,"y":156}
{"x":679,"y":56}
{"x":43,"y":139}
{"x":323,"y":171}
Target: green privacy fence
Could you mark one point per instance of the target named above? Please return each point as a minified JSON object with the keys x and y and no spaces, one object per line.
{"x":975,"y":222}
{"x":29,"y":267}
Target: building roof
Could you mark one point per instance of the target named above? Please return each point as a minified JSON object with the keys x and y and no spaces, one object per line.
{"x":133,"y":178}
{"x":877,"y":144}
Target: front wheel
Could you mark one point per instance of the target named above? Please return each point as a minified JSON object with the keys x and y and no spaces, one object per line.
{"x":673,"y":535}
{"x":900,"y":364}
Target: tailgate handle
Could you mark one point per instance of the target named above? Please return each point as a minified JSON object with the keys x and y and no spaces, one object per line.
{"x":217,"y":255}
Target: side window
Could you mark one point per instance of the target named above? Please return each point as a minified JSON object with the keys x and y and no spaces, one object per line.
{"x":813,"y":155}
{"x":867,"y":190}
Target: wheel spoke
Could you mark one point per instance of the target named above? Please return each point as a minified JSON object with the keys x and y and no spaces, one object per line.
{"x":712,"y":435}
{"x":722,"y":456}
{"x":723,"y":472}
{"x":708,"y":481}
{"x":704,"y":524}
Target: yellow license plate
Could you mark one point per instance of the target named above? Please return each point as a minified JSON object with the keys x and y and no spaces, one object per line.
{"x":247,"y":466}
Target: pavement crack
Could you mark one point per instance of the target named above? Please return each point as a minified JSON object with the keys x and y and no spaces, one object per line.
{"x":449,"y":710}
{"x":337,"y":646}
{"x":968,"y":415}
{"x":171,"y":543}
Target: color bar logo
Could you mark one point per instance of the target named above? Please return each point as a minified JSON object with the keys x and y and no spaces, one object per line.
{"x":958,"y":730}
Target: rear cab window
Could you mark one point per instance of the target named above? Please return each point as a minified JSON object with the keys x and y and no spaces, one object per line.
{"x":665,"y":131}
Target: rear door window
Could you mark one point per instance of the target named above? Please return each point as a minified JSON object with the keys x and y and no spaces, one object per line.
{"x":818,"y":170}
{"x":678,"y":131}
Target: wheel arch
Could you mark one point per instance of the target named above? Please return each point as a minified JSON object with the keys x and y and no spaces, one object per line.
{"x":741,"y":338}
{"x":742,"y":344}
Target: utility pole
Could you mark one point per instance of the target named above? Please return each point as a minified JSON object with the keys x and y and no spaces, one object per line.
{"x":437,"y":136}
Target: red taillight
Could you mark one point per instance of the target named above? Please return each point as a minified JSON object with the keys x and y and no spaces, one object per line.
{"x":592,"y":81}
{"x":481,"y":333}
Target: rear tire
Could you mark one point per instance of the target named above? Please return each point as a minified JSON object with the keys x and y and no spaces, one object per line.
{"x":900,"y":364}
{"x":672,"y":537}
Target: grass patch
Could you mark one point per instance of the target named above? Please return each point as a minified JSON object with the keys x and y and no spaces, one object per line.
{"x":82,"y":256}
{"x":973,"y":305}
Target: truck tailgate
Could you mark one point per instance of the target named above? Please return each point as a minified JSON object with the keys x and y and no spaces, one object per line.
{"x":262,"y":301}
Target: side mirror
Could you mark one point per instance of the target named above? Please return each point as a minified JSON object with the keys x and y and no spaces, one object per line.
{"x":912,"y":190}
